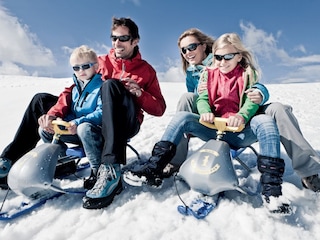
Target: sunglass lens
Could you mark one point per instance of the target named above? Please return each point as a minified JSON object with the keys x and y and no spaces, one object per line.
{"x":123,"y":38}
{"x":218,"y":57}
{"x":85,"y":66}
{"x":228,"y":56}
{"x":192,"y":47}
{"x":76,"y":68}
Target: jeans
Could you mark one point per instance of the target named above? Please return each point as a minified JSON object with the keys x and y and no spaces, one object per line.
{"x":88,"y":135}
{"x":261,"y":128}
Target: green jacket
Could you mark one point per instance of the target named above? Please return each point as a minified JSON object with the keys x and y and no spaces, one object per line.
{"x":247,"y":109}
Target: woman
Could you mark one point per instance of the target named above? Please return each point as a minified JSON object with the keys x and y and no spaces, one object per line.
{"x":195,"y":51}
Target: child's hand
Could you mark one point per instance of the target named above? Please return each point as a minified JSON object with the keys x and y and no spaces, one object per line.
{"x":72,"y":128}
{"x":235,"y":121}
{"x":207,"y":117}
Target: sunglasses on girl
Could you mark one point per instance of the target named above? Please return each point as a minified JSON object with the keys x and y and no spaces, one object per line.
{"x":191,"y":47}
{"x":123,"y":38}
{"x":83,"y":67}
{"x":226,"y":57}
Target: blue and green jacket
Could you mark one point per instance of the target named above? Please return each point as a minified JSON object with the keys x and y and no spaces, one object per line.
{"x":86,"y":104}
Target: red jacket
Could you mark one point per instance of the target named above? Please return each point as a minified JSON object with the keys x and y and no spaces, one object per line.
{"x":151,"y":100}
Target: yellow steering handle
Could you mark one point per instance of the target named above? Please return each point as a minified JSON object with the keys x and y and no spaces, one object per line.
{"x":58,"y":130}
{"x":221,"y":125}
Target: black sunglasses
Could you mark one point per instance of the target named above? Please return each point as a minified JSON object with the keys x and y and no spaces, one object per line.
{"x":83,"y":67}
{"x":190,"y":47}
{"x":123,"y":38}
{"x":226,"y":57}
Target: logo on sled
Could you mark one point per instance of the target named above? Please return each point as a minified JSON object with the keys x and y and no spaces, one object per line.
{"x":210,"y":170}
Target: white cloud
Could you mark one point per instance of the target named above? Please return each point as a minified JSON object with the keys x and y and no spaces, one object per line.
{"x":18,"y":46}
{"x":9,"y":68}
{"x":261,"y":43}
{"x":265,"y":47}
{"x":173,"y":73}
{"x":135,"y":2}
{"x":300,"y":48}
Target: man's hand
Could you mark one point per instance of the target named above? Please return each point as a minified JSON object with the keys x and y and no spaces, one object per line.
{"x":132,"y":86}
{"x":45,"y":122}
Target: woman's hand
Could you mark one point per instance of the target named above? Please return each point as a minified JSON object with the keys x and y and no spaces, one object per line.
{"x":202,"y":87}
{"x":254,"y":96}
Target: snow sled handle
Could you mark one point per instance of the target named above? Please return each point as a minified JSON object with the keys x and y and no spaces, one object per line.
{"x":221,"y":125}
{"x":58,"y":130}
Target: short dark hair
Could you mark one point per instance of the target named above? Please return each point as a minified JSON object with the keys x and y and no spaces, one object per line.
{"x":127,"y":22}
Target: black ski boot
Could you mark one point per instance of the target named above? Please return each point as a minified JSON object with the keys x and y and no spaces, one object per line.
{"x":150,"y":172}
{"x":272,"y":170}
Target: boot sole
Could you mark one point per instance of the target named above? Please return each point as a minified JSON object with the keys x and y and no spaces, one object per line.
{"x":137,"y":181}
{"x":97,"y":203}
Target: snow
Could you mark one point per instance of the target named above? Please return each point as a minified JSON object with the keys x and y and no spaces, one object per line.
{"x":144,"y":213}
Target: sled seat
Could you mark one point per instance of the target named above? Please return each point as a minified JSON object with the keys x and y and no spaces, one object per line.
{"x":221,"y":126}
{"x":78,"y":152}
{"x":60,"y":128}
{"x":71,"y":162}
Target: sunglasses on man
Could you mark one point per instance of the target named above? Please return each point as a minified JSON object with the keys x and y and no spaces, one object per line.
{"x":83,"y":67}
{"x":191,"y":47}
{"x":123,"y":38}
{"x":226,"y":57}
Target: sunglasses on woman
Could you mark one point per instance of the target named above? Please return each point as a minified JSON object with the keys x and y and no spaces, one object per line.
{"x":123,"y":38}
{"x":226,"y":57}
{"x":83,"y":67}
{"x":191,"y":47}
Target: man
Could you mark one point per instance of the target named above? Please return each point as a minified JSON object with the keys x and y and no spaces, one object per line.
{"x":131,"y":87}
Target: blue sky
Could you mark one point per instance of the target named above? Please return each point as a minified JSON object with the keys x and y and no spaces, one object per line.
{"x":37,"y":35}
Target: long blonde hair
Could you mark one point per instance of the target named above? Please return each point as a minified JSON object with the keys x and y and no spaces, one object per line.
{"x":201,"y":37}
{"x":233,"y":39}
